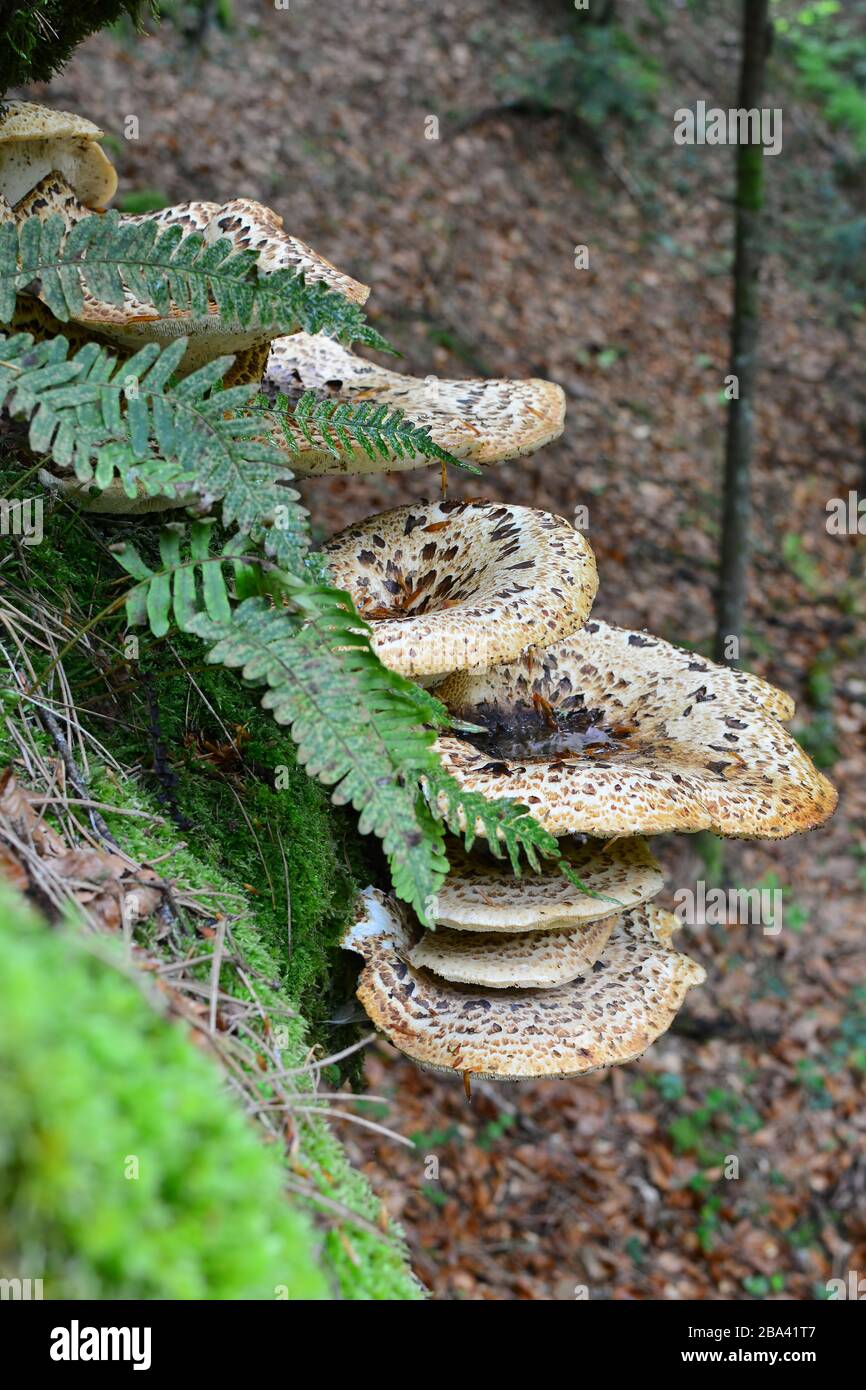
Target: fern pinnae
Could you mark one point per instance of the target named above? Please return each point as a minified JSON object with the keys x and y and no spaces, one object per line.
{"x":102,"y":417}
{"x":354,"y":723}
{"x":339,"y":425}
{"x":108,"y":258}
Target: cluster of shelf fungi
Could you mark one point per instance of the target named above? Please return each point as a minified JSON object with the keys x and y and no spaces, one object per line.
{"x":606,"y":735}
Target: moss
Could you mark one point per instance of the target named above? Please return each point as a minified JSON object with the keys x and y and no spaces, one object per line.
{"x":324,"y":857}
{"x":269,"y":830}
{"x":39,"y":38}
{"x":268,"y":825}
{"x":125,"y":1170}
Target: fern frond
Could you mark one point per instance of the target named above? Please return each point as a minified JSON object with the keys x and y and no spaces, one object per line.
{"x":506,"y":825}
{"x":161,"y":267}
{"x":99,"y":417}
{"x":190,"y":580}
{"x":356,"y":724}
{"x":339,"y":425}
{"x":359,"y":727}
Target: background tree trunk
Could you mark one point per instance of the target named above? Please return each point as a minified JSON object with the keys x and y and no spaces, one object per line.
{"x":734,"y":555}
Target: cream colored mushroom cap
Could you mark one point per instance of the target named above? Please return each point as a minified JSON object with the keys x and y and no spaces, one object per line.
{"x":769,"y":697}
{"x":482,"y":894}
{"x":247,"y":224}
{"x":34,"y":141}
{"x":526,"y":959}
{"x":611,"y":1015}
{"x":479,"y":421}
{"x":704,"y":753}
{"x":447,"y":586}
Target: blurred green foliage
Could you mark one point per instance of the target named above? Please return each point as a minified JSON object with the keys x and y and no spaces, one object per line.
{"x":825,"y":43}
{"x":125,"y":1169}
{"x":595,"y":72}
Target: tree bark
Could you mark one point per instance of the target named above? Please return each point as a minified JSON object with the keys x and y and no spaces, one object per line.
{"x":736,"y":505}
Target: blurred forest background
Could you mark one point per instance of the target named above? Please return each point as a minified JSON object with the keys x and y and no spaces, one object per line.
{"x":555,"y":130}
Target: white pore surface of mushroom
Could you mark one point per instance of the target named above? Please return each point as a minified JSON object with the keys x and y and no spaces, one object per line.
{"x":450,"y":586}
{"x":479,"y":421}
{"x":611,"y":1015}
{"x":526,"y":959}
{"x":35,"y":141}
{"x":637,"y":737}
{"x":481,"y":894}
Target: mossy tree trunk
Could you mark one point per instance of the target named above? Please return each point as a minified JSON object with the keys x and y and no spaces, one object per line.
{"x":734,"y":556}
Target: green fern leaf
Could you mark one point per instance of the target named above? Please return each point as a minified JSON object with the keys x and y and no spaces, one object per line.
{"x":339,"y":425}
{"x":188,"y":438}
{"x":356,"y":724}
{"x":107,"y":256}
{"x":185,"y":585}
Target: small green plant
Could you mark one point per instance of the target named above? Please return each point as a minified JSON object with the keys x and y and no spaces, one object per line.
{"x":761,"y":1286}
{"x":38,"y":39}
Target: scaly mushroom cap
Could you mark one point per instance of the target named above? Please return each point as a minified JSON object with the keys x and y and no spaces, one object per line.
{"x":449,"y":586}
{"x":527,"y":959}
{"x":650,"y":738}
{"x":480,"y":421}
{"x":35,"y":141}
{"x":481,"y":893}
{"x":774,"y":701}
{"x":611,"y":1015}
{"x":247,"y":224}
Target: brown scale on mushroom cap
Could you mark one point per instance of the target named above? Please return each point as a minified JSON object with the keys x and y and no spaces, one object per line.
{"x":36,"y":141}
{"x":452,"y":586}
{"x":700,"y":750}
{"x":611,"y":1015}
{"x":525,"y":959}
{"x":481,"y":894}
{"x":480,"y":421}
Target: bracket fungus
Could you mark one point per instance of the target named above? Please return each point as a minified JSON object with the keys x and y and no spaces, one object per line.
{"x":634,"y":736}
{"x":36,"y":141}
{"x":246,"y":224}
{"x":452,"y":586}
{"x":608,"y":1016}
{"x":599,"y":731}
{"x":479,"y":421}
{"x":481,"y":893}
{"x":526,"y":959}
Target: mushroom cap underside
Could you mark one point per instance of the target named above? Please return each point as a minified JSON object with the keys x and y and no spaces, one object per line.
{"x":453,"y":585}
{"x":479,"y":421}
{"x":35,"y":140}
{"x":481,"y":894}
{"x":683,"y":744}
{"x":609,"y":1016}
{"x":526,"y":959}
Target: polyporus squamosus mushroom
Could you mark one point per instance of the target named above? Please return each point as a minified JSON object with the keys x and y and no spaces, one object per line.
{"x":617,"y":732}
{"x":526,"y":959}
{"x":35,"y":141}
{"x":452,"y":586}
{"x":481,"y":893}
{"x":611,"y":1015}
{"x":247,"y":224}
{"x":479,"y":421}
